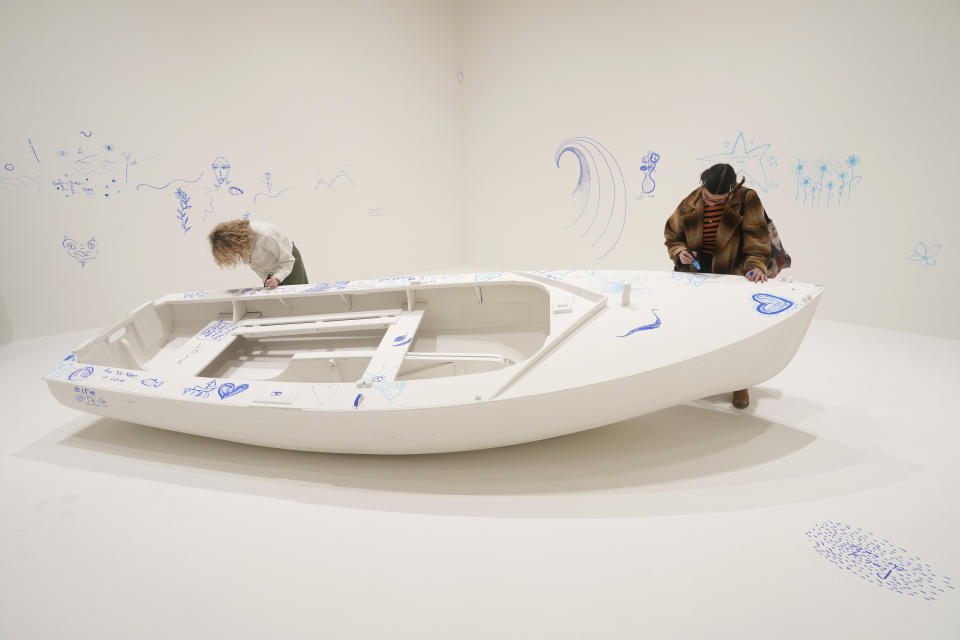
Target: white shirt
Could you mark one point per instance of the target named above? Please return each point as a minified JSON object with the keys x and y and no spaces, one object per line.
{"x":272,"y":253}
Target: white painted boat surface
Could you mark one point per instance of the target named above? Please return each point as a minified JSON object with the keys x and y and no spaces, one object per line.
{"x":431,"y":364}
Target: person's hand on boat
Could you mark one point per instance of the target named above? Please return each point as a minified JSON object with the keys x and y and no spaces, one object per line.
{"x":686,"y":257}
{"x":271,"y":283}
{"x":755,"y":275}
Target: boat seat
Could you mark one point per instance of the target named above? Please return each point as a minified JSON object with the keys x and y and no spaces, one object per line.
{"x":198,"y":352}
{"x":327,"y":323}
{"x":326,"y":317}
{"x":386,"y":361}
{"x":300,"y":328}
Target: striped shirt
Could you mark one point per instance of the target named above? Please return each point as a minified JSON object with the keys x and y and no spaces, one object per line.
{"x":711,"y":221}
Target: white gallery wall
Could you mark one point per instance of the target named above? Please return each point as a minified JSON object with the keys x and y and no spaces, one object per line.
{"x":842,"y":115}
{"x":338,"y":122}
{"x":390,"y":137}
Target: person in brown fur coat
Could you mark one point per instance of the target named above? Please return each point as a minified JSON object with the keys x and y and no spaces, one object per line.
{"x":720,"y":228}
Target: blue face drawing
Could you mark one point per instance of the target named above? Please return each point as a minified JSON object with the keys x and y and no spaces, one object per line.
{"x":221,"y":170}
{"x":81,"y":251}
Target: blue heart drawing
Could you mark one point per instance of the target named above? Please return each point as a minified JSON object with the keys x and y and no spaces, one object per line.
{"x":324,"y":392}
{"x":770,"y":305}
{"x":228,"y":389}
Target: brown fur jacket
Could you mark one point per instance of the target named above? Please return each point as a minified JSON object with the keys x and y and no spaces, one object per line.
{"x":743,"y":240}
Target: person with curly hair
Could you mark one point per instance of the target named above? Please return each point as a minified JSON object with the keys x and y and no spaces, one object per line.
{"x":260,"y":245}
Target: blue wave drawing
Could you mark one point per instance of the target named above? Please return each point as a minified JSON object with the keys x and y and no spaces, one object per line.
{"x":274,"y":195}
{"x":601,"y":183}
{"x":646,"y":327}
{"x":171,"y":182}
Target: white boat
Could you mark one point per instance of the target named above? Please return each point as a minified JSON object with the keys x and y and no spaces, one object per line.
{"x":435,"y":363}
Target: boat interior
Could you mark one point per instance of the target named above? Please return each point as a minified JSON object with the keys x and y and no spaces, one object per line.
{"x":377,"y":336}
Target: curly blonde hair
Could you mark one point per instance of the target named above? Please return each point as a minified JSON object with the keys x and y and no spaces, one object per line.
{"x":231,"y":242}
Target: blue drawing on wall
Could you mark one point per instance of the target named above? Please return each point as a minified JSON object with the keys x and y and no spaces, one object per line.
{"x":927,"y":256}
{"x":600,"y":186}
{"x":153,"y":383}
{"x":357,"y":401}
{"x":400,"y":341}
{"x":750,"y":161}
{"x":771,"y":305}
{"x":82,"y":252}
{"x":646,"y":327}
{"x":229,"y":389}
{"x":162,"y":187}
{"x":217,"y":331}
{"x":9,"y":166}
{"x":32,"y":148}
{"x":86,"y":134}
{"x":647,"y":167}
{"x":329,"y":184}
{"x":88,"y":397}
{"x":877,"y":560}
{"x":80,"y":374}
{"x":221,"y":171}
{"x":16,"y":182}
{"x":72,"y":186}
{"x":84,"y":158}
{"x":195,"y":294}
{"x":826,"y":182}
{"x":201,"y":392}
{"x":269,"y":195}
{"x":324,"y":393}
{"x":183,"y":203}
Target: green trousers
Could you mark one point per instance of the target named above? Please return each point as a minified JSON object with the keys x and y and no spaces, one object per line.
{"x":299,"y":273}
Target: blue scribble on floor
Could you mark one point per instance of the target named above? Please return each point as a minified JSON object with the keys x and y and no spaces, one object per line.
{"x":876,"y":560}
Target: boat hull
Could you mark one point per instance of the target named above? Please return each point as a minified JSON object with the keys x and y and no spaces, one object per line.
{"x":505,"y":419}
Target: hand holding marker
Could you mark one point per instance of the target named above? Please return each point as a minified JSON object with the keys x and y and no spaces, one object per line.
{"x":689,"y":257}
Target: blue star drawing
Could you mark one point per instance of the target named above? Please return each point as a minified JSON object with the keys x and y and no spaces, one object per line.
{"x":748,"y":162}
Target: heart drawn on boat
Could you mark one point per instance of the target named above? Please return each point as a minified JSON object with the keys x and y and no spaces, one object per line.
{"x":770,"y":305}
{"x":228,"y":389}
{"x":324,"y":392}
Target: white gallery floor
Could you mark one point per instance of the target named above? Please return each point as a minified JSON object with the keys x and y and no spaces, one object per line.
{"x":829,"y":509}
